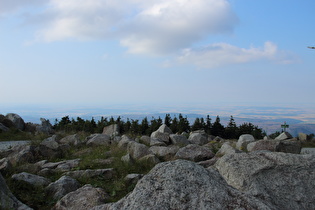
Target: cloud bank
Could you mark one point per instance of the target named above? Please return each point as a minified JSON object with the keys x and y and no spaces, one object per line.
{"x":219,"y":54}
{"x":149,"y":27}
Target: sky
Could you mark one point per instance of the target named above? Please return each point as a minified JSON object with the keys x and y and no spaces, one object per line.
{"x":156,"y":52}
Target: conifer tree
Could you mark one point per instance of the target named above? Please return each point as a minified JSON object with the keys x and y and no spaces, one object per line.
{"x":217,"y":128}
{"x":168,"y":120}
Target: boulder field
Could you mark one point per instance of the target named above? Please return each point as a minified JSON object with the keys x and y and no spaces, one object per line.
{"x":190,"y":172}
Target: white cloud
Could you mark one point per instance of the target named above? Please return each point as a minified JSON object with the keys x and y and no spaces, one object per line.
{"x":220,"y":54}
{"x":168,"y":26}
{"x":11,"y":6}
{"x":142,"y":26}
{"x":81,"y":19}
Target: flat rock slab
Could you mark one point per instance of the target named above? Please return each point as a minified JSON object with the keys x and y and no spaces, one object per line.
{"x":286,"y":180}
{"x":183,"y":184}
{"x":4,"y":145}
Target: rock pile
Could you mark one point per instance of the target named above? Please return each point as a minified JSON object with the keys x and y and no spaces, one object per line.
{"x":254,"y":174}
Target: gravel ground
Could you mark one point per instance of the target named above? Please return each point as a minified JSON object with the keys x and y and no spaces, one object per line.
{"x":8,"y":144}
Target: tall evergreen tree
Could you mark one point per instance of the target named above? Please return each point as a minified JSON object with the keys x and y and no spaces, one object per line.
{"x":183,"y":124}
{"x":231,"y":130}
{"x":208,"y":125}
{"x":145,"y":126}
{"x":168,"y":120}
{"x":217,"y":128}
{"x":174,"y":125}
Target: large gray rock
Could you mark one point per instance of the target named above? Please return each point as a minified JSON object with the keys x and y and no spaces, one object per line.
{"x":164,"y":137}
{"x":22,"y":154}
{"x":270,"y":145}
{"x":180,"y":140}
{"x":51,"y":142}
{"x":145,"y":140}
{"x":68,"y":165}
{"x":124,"y":142}
{"x":3,"y":128}
{"x":137,"y":150}
{"x":156,"y":142}
{"x":127,"y":159}
{"x":163,"y":134}
{"x":71,"y":139}
{"x":164,"y":153}
{"x":7,"y":199}
{"x":98,"y":140}
{"x":49,"y":168}
{"x":150,"y":159}
{"x":17,"y":121}
{"x":111,"y":130}
{"x":226,"y":148}
{"x":31,"y":179}
{"x":284,"y":136}
{"x":289,"y":146}
{"x":5,"y":165}
{"x":198,"y":137}
{"x":243,"y":141}
{"x":183,"y":184}
{"x":132,"y":178}
{"x":83,"y":198}
{"x":281,"y":179}
{"x":62,"y":186}
{"x":194,"y":153}
{"x":165,"y":129}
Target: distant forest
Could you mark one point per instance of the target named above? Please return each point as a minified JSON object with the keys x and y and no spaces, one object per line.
{"x":178,"y":124}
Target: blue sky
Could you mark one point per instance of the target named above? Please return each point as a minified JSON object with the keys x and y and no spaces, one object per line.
{"x":112,"y":52}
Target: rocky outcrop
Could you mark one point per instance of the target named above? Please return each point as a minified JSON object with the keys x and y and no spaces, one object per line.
{"x":22,"y":154}
{"x":62,"y":186}
{"x":194,"y":153}
{"x":17,"y":121}
{"x":31,"y":179}
{"x":83,"y":198}
{"x":8,"y":200}
{"x":183,"y":184}
{"x":3,"y":128}
{"x":280,"y":179}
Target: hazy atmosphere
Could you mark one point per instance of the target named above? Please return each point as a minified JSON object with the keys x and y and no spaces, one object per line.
{"x":150,"y":54}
